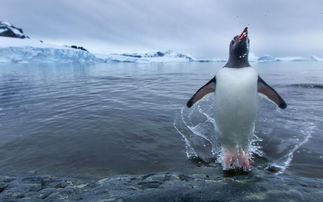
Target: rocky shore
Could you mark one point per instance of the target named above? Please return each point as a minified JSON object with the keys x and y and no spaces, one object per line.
{"x":162,"y":187}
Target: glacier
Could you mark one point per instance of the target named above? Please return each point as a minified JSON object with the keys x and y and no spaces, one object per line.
{"x":17,"y":50}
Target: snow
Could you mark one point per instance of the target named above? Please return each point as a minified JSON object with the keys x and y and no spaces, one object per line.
{"x":16,"y":32}
{"x":6,"y":23}
{"x":152,"y":57}
{"x":269,"y":58}
{"x":28,"y":50}
{"x":15,"y":50}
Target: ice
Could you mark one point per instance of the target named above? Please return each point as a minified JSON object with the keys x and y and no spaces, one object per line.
{"x":269,"y":58}
{"x":29,"y":50}
{"x":152,"y":57}
{"x":16,"y":50}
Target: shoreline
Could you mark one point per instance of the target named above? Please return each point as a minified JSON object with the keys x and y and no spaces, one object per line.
{"x":161,"y":187}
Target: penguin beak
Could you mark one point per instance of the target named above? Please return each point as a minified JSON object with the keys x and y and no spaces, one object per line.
{"x":243,"y":34}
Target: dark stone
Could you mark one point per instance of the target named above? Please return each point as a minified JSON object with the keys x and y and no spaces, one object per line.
{"x":184,"y":177}
{"x":18,"y":195}
{"x":3,"y":187}
{"x":46,"y":192}
{"x":8,"y":30}
{"x":131,"y":55}
{"x":160,"y":54}
{"x":163,"y":187}
{"x":150,"y":184}
{"x":78,"y":47}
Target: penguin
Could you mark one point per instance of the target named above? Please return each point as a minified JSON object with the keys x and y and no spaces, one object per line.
{"x":236,"y":86}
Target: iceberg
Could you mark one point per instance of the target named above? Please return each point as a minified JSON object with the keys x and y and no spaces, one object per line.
{"x":269,"y":58}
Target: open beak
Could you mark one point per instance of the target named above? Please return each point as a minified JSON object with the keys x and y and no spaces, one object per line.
{"x":243,"y":34}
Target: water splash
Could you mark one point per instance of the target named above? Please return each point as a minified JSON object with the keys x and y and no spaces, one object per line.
{"x":200,"y":132}
{"x":283,"y":163}
{"x":277,"y":137}
{"x":190,"y":152}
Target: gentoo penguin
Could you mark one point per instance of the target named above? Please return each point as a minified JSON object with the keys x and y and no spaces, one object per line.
{"x":235,"y":87}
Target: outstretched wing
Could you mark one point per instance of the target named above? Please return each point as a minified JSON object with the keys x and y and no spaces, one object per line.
{"x":207,"y":88}
{"x":270,"y":93}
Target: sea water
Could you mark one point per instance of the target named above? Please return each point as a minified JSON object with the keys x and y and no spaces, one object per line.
{"x":101,"y":120}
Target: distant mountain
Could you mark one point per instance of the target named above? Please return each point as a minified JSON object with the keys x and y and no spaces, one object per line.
{"x":8,"y":30}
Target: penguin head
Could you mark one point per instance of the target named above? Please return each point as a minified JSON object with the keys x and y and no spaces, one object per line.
{"x":239,"y":51}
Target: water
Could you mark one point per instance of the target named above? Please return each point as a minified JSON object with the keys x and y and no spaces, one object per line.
{"x":107,"y":119}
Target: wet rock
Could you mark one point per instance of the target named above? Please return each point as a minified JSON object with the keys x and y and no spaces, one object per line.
{"x":184,"y":177}
{"x":150,"y":184}
{"x":162,"y":187}
{"x":3,"y":186}
{"x":43,"y":194}
{"x":63,"y":184}
{"x":18,"y":195}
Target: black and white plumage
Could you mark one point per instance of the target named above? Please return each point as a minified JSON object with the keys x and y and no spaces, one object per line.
{"x":236,"y":86}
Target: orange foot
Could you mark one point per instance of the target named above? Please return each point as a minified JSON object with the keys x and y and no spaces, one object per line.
{"x":233,"y":158}
{"x":243,"y":158}
{"x":229,"y":158}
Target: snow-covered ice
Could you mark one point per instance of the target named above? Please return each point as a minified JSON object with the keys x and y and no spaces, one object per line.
{"x":16,"y":50}
{"x":30,"y":50}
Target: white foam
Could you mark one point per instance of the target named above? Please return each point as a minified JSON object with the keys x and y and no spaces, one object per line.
{"x":190,"y":152}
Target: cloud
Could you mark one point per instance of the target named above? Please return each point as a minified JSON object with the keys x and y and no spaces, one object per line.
{"x":203,"y":28}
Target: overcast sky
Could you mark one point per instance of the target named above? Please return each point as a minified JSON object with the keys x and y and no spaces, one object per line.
{"x":203,"y":28}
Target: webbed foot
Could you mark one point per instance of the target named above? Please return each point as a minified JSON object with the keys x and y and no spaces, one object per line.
{"x":235,"y":158}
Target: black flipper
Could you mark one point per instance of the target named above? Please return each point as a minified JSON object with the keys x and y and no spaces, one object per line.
{"x":206,"y":89}
{"x":270,"y":93}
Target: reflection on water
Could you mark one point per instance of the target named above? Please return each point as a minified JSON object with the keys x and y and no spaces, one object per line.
{"x":107,"y":119}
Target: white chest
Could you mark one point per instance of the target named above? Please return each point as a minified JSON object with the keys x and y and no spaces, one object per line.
{"x":236,"y":97}
{"x":236,"y":85}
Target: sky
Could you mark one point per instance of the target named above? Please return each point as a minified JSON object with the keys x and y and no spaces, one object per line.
{"x":202,"y":28}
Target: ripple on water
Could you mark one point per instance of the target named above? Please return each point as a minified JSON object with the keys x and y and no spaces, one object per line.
{"x":307,"y":85}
